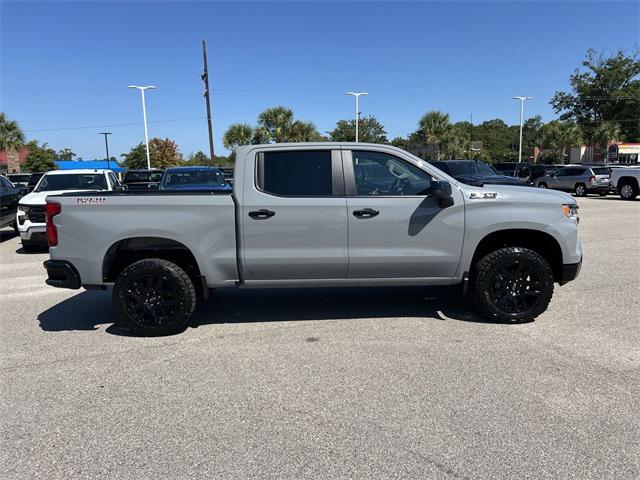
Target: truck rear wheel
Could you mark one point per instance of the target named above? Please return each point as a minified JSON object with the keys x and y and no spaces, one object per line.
{"x":512,"y":284}
{"x":154,"y":297}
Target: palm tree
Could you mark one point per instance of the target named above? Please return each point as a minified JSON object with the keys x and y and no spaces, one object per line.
{"x":277,"y":121}
{"x":301,"y":131}
{"x":604,"y":133}
{"x":433,"y":128}
{"x":237,"y":134}
{"x":570,"y":135}
{"x":11,"y":140}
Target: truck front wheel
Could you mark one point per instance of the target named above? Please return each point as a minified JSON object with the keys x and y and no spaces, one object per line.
{"x":154,"y":297}
{"x":512,"y":284}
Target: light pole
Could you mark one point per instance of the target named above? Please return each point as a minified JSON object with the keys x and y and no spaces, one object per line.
{"x":142,"y":88}
{"x":106,"y":144}
{"x":522,"y":99}
{"x":357,"y":95}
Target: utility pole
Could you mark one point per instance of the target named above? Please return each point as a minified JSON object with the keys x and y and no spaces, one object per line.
{"x":106,"y":144}
{"x":522,"y":99}
{"x":357,"y":95}
{"x":144,"y":116}
{"x":207,"y":97}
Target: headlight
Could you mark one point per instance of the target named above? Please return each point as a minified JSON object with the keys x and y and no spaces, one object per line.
{"x":23,"y":208}
{"x":570,"y":210}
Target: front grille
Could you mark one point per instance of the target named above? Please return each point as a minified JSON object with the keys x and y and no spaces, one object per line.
{"x":37,"y":215}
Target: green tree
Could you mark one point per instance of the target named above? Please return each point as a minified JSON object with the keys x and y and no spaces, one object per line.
{"x":531,"y":133}
{"x":433,"y":128}
{"x":499,"y":141}
{"x":560,"y":136}
{"x":607,"y":89}
{"x":197,"y":159}
{"x":65,"y":154}
{"x":277,"y":121}
{"x":237,"y":134}
{"x":136,"y":158}
{"x":40,"y":158}
{"x":370,"y":130}
{"x":164,"y":153}
{"x":400,"y":142}
{"x":302,"y":131}
{"x":11,"y":140}
{"x":604,"y":133}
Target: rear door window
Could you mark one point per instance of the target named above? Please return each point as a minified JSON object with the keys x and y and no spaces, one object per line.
{"x":295,"y":173}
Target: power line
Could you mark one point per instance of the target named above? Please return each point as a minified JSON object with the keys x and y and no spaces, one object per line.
{"x":87,"y":127}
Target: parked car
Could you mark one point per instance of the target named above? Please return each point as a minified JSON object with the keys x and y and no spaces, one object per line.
{"x":227,"y":173}
{"x":194,"y":178}
{"x":34,"y":179}
{"x":30,"y":217}
{"x":315,"y":214}
{"x":581,"y":180}
{"x":9,"y":197}
{"x":143,"y":180}
{"x":475,"y":172}
{"x":528,"y":172}
{"x":19,"y":179}
{"x":626,"y":181}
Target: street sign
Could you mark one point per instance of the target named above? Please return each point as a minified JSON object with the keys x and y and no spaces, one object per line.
{"x":612,"y":153}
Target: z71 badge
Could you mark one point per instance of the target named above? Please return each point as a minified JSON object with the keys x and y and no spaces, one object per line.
{"x":91,"y":200}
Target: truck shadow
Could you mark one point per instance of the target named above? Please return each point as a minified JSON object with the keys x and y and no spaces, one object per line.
{"x":90,"y":309}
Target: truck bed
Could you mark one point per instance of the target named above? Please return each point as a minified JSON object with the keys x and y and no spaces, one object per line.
{"x":204,"y":222}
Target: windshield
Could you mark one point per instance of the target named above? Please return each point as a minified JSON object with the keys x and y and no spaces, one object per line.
{"x":72,"y":181}
{"x":194,"y":177}
{"x":131,"y":177}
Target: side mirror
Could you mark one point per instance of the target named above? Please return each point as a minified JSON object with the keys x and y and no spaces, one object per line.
{"x":120,"y":188}
{"x":442,"y":191}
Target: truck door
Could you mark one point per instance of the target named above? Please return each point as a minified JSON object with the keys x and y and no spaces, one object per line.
{"x":294,"y":215}
{"x":396,"y":230}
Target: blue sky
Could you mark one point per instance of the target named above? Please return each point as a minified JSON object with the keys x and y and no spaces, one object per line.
{"x":66,"y":66}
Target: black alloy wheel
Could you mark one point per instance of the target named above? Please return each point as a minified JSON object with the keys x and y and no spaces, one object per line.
{"x":513,"y":284}
{"x":154,"y":297}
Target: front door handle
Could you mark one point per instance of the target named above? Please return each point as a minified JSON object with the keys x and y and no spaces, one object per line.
{"x":262,"y":214}
{"x":365,"y":213}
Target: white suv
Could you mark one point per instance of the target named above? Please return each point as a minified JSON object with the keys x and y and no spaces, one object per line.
{"x":30,"y":217}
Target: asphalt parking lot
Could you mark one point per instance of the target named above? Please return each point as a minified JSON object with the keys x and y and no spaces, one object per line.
{"x":337,"y":383}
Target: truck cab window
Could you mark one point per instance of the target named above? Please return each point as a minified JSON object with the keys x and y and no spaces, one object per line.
{"x":295,"y":173}
{"x":383,"y":174}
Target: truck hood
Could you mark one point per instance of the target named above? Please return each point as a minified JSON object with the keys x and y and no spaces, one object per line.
{"x":524,"y":193}
{"x":40,"y":198}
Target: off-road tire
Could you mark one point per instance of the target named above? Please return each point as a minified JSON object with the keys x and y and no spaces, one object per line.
{"x":489,"y":278}
{"x":153,"y":297}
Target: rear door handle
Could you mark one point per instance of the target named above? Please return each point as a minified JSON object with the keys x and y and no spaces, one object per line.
{"x":262,"y":214}
{"x":365,"y":213}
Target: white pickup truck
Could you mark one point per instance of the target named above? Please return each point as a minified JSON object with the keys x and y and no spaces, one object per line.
{"x":626,"y":181}
{"x":315,"y":214}
{"x":30,"y":218}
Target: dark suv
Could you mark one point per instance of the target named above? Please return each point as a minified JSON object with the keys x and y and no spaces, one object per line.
{"x":475,"y":172}
{"x":528,"y":172}
{"x":143,"y":180}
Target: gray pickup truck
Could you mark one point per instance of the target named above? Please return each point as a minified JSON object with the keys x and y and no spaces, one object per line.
{"x":315,"y":214}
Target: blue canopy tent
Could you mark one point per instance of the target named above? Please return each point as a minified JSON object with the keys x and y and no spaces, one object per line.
{"x":96,"y":164}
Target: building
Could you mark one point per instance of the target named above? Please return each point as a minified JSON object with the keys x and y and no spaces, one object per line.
{"x":12,"y":163}
{"x":628,"y":153}
{"x":97,"y":164}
